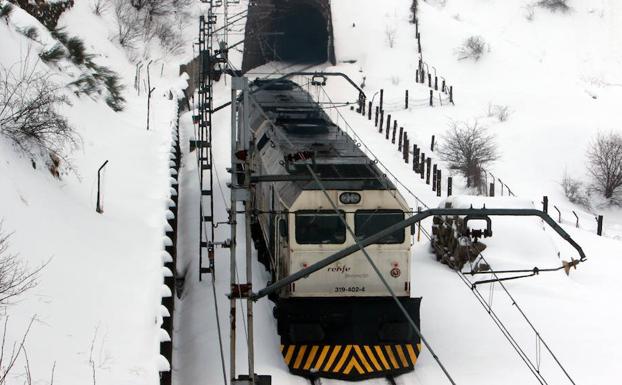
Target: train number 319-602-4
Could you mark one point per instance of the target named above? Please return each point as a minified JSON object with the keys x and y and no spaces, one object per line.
{"x":351,"y":289}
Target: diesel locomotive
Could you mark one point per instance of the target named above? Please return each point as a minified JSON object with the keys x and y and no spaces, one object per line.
{"x":339,"y":322}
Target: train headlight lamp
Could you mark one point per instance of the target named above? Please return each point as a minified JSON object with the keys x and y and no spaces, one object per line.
{"x":350,"y":198}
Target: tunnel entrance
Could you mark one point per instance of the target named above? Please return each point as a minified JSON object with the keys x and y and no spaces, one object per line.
{"x":297,"y":31}
{"x":301,"y":35}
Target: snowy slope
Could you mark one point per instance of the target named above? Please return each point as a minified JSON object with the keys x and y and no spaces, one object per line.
{"x":98,"y":298}
{"x":548,"y":80}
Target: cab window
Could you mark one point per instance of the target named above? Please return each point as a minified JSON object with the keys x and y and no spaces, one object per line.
{"x":320,"y":227}
{"x":370,"y":222}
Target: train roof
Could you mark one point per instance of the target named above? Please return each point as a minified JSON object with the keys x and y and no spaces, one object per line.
{"x":306,"y":136}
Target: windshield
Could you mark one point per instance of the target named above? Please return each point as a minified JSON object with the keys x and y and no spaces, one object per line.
{"x":320,"y":227}
{"x":370,"y":222}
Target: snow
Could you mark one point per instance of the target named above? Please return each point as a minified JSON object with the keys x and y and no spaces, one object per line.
{"x":99,"y":296}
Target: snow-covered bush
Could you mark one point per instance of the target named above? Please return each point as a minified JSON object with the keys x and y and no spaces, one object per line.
{"x":468,"y":147}
{"x":473,"y":47}
{"x":604,"y":157}
{"x":554,"y":5}
{"x":53,"y":54}
{"x":76,"y":50}
{"x":575,"y":190}
{"x":29,"y":100}
{"x":5,"y":11}
{"x":29,"y":32}
{"x":501,"y":112}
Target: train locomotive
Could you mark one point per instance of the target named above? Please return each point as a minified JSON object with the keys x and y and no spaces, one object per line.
{"x":339,"y":322}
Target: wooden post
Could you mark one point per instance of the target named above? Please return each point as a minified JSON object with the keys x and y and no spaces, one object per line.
{"x":381,"y":99}
{"x":415,"y":157}
{"x":381,"y":121}
{"x":428,"y":170}
{"x":599,"y":229}
{"x":417,"y":75}
{"x":432,"y":144}
{"x":369,"y":111}
{"x":545,"y":204}
{"x":406,"y":100}
{"x":376,"y":117}
{"x":422,"y":168}
{"x":438,"y":183}
{"x":491,"y":191}
{"x":434,"y":178}
{"x":443,"y":86}
{"x":449,"y":186}
{"x":399,"y":141}
{"x":451,"y":94}
{"x":388,"y":126}
{"x":406,"y":147}
{"x":418,"y":43}
{"x":429,"y":80}
{"x":431,"y":98}
{"x":436,"y":83}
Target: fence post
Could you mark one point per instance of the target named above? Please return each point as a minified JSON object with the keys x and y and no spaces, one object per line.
{"x":369,"y":111}
{"x":406,"y":147}
{"x":449,"y":186}
{"x":599,"y":228}
{"x":432,"y":144}
{"x":415,"y":158}
{"x":406,"y":100}
{"x":545,"y":204}
{"x":451,"y":94}
{"x":434,"y":178}
{"x":419,"y":43}
{"x":559,"y":214}
{"x":443,"y":86}
{"x":381,"y":121}
{"x":388,"y":125}
{"x":438,"y":183}
{"x":436,"y":83}
{"x":399,"y":140}
{"x":381,"y":98}
{"x":422,"y":168}
{"x":576,"y":216}
{"x":376,"y":117}
{"x":394,"y":131}
{"x":431,"y":98}
{"x":428,"y":170}
{"x":417,"y":75}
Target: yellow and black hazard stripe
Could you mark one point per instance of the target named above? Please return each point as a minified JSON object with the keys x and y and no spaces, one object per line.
{"x":350,"y":361}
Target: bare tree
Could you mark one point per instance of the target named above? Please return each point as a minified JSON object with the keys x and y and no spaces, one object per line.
{"x":100,"y":7}
{"x":468,"y":148}
{"x":29,"y":100}
{"x":605,"y":163}
{"x":15,"y":277}
{"x":128,"y":22}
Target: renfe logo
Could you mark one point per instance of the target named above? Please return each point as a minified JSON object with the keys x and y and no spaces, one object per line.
{"x":339,"y":269}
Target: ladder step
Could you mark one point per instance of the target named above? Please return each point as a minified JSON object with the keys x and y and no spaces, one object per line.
{"x":207,"y":218}
{"x":206,"y":192}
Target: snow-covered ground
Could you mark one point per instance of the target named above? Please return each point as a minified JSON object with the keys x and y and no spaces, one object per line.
{"x":98,"y":297}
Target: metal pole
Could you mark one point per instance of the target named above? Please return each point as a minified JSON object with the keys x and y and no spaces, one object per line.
{"x":98,"y":208}
{"x":247,"y":215}
{"x":232,"y":224}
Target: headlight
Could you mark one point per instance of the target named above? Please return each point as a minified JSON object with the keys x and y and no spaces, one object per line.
{"x":350,"y":198}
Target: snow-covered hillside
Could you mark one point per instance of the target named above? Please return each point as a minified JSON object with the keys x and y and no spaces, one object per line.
{"x":96,"y":307}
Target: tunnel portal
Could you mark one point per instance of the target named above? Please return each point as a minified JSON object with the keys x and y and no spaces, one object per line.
{"x":297,"y":31}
